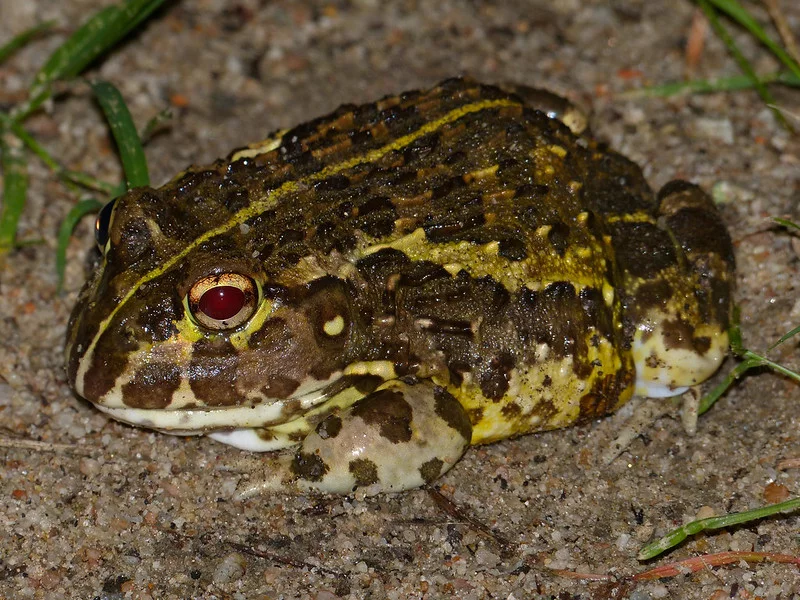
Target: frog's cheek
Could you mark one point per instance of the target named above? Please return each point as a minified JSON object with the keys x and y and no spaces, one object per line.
{"x":399,"y":437}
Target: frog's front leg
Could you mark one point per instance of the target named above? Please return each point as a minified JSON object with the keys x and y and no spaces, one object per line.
{"x":400,"y":436}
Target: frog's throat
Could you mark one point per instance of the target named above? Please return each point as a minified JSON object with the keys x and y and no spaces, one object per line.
{"x":271,"y":200}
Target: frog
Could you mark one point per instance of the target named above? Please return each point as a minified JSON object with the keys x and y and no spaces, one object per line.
{"x":375,"y":290}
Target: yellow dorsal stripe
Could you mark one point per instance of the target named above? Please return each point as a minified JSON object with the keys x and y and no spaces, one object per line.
{"x":289,"y":186}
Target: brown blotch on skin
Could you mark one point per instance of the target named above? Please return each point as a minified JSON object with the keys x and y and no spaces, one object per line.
{"x":264,"y":433}
{"x":365,"y":471}
{"x":475,"y":415}
{"x":278,"y":386}
{"x":309,"y":466}
{"x":702,"y":344}
{"x":103,"y":372}
{"x":152,"y":386}
{"x":329,"y":427}
{"x":643,"y":249}
{"x":513,"y":248}
{"x":332,"y":184}
{"x":291,"y":408}
{"x":131,"y":241}
{"x":494,"y":378}
{"x":558,"y":236}
{"x":652,"y":294}
{"x":604,"y":395}
{"x":213,"y":376}
{"x":449,"y":410}
{"x":511,"y":410}
{"x":431,"y":470}
{"x":545,"y":409}
{"x":389,"y":411}
{"x":678,"y":334}
{"x":366,"y":384}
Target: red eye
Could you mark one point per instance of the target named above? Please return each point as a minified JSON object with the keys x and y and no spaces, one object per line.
{"x":223,"y":301}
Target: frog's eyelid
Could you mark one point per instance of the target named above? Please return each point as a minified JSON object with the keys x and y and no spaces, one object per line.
{"x":102,"y":226}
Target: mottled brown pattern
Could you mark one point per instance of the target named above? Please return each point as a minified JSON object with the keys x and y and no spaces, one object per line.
{"x":329,"y":427}
{"x":509,"y":232}
{"x":365,"y":471}
{"x":388,"y":411}
{"x":604,"y":395}
{"x":451,"y":412}
{"x":309,"y":466}
{"x":152,"y":385}
{"x":430,"y":470}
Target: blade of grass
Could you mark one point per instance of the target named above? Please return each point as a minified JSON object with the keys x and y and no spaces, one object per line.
{"x":155,"y":124}
{"x":786,"y":336}
{"x":786,"y":223}
{"x":15,"y":187}
{"x":85,"y":45}
{"x":125,"y":134}
{"x":740,"y":59}
{"x":750,"y":360}
{"x":75,"y":177}
{"x":19,"y":40}
{"x":704,"y":86}
{"x":735,"y":11}
{"x":676,"y":536}
{"x":76,"y":213}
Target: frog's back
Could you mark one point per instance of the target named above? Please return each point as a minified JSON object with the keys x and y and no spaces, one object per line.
{"x":476,"y":226}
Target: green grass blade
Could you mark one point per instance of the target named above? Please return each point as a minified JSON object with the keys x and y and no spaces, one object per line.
{"x":786,"y":223}
{"x":676,"y":536}
{"x":81,"y":209}
{"x":19,"y":40}
{"x":785,"y":337}
{"x":15,"y":187}
{"x":705,"y":86}
{"x":85,"y":45}
{"x":74,"y":177}
{"x":740,"y":59}
{"x":125,"y":134}
{"x":735,"y":11}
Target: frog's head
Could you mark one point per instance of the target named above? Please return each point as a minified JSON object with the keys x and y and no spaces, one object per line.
{"x":184,"y":328}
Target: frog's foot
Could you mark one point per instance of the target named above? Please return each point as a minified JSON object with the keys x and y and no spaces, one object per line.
{"x":400,"y":436}
{"x":678,"y":266}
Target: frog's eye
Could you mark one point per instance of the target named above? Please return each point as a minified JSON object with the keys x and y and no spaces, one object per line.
{"x":102,"y":224}
{"x":223,"y":301}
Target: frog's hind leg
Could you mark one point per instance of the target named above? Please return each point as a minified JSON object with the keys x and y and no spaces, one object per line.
{"x":678,"y":274}
{"x":400,"y":436}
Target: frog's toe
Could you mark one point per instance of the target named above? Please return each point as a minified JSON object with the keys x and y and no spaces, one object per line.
{"x":399,"y":437}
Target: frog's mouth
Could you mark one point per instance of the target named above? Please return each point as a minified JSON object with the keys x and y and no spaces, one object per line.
{"x":188,"y":420}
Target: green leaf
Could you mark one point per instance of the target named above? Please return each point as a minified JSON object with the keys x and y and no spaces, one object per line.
{"x":738,"y":13}
{"x":786,"y":223}
{"x":705,"y":86}
{"x":72,"y":177}
{"x":81,"y":209}
{"x":785,"y":336}
{"x":23,"y":38}
{"x":125,"y":134}
{"x":740,"y":59}
{"x":85,"y":45}
{"x":15,"y":187}
{"x":676,"y":536}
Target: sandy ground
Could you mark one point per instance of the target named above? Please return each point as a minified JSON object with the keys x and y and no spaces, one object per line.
{"x":95,"y":509}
